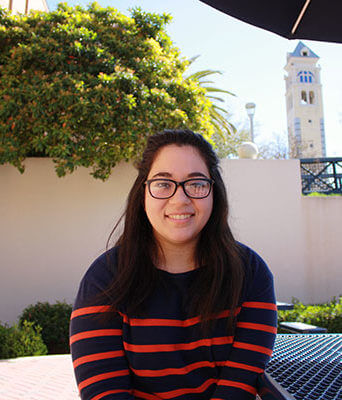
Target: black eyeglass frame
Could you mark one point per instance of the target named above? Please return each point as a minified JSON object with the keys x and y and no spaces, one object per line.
{"x":182,"y":184}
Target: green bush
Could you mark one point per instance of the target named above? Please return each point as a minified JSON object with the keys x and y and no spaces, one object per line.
{"x":20,"y":341}
{"x":327,"y":315}
{"x":54,"y":321}
{"x":86,"y":87}
{"x":319,"y":194}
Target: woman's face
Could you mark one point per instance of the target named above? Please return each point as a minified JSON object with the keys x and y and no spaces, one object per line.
{"x":179,"y":219}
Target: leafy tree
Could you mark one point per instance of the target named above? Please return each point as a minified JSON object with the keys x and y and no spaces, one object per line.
{"x":88,"y":86}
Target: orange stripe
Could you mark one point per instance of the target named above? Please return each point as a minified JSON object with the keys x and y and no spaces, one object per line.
{"x":239,"y":385}
{"x":259,"y":304}
{"x":161,"y":322}
{"x":142,"y":395}
{"x":154,"y":348}
{"x":191,"y":367}
{"x":89,"y":310}
{"x":180,"y":392}
{"x":100,"y":396}
{"x":97,"y":357}
{"x":174,"y":371}
{"x":148,"y":321}
{"x":258,"y":327}
{"x":102,"y":377}
{"x":253,"y":347}
{"x":233,"y":364}
{"x":171,"y":322}
{"x":96,"y":333}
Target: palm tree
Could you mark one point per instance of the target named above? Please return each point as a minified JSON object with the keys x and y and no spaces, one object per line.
{"x":226,"y":137}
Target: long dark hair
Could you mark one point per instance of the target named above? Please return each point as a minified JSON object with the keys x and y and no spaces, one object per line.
{"x":219,"y":281}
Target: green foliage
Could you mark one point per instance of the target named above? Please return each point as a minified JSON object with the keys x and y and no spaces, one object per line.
{"x":54,"y":321}
{"x":20,"y":341}
{"x":328,"y":315}
{"x":88,"y":86}
{"x":318,"y":194}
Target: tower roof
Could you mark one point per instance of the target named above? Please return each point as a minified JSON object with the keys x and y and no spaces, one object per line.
{"x":302,"y":51}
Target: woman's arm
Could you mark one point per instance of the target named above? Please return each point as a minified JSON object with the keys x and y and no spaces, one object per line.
{"x":254,"y":336}
{"x":98,"y":356}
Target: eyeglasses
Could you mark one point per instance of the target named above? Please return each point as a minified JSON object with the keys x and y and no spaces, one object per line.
{"x":198,"y":188}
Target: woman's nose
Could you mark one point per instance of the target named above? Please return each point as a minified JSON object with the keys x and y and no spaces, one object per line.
{"x":180,"y":196}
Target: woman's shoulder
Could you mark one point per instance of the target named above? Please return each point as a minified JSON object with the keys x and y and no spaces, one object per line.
{"x":96,"y":280}
{"x":258,"y":283}
{"x":102,"y":269}
{"x":254,"y":264}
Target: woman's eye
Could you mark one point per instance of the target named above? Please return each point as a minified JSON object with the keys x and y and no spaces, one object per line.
{"x":197,"y":185}
{"x":162,"y":185}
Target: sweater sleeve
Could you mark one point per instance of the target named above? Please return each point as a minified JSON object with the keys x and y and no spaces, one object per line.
{"x":254,"y":335}
{"x":99,"y":362}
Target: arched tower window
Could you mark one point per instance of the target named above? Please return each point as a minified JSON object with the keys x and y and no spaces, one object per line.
{"x":304,"y":52}
{"x":305,"y":77}
{"x":304,"y":99}
{"x":311,"y":97}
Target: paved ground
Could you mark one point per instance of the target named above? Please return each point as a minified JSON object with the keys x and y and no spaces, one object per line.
{"x":38,"y":378}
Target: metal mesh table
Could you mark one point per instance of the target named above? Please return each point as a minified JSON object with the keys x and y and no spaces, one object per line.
{"x":304,"y":367}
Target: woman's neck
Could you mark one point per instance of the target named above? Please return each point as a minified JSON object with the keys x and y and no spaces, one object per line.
{"x":177,"y":259}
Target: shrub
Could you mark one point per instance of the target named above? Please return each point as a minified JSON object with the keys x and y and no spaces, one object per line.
{"x":20,"y":341}
{"x":319,"y":194}
{"x":86,"y":87}
{"x":54,"y":321}
{"x":3,"y":335}
{"x":327,"y":315}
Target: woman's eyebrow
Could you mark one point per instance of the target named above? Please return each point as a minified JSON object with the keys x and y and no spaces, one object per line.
{"x":197,"y":174}
{"x":164,"y":174}
{"x":168,"y":175}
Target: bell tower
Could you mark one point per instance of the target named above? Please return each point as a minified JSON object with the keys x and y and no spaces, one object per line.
{"x":24,"y":6}
{"x":304,"y":105}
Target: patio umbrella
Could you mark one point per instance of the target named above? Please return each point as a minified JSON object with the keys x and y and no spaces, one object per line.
{"x":292,"y":19}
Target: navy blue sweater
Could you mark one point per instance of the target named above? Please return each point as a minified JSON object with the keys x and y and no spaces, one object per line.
{"x":164,"y":355}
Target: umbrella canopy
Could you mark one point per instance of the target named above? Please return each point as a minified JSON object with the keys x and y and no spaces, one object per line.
{"x":292,"y":19}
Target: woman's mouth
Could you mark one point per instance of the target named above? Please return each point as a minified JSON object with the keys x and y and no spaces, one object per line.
{"x":179,"y":216}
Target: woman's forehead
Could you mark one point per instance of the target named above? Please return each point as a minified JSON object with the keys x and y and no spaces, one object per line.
{"x":173,"y":159}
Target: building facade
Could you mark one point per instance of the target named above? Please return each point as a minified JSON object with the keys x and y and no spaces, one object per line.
{"x":24,"y":6}
{"x":304,"y":104}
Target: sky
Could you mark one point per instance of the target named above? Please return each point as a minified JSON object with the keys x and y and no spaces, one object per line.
{"x":252,"y":63}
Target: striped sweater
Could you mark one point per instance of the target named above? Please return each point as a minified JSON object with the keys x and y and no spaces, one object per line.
{"x":164,"y":355}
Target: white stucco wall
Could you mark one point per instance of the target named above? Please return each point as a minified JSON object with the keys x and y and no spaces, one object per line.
{"x":265,"y":198}
{"x":52,"y":228}
{"x":299,"y":237}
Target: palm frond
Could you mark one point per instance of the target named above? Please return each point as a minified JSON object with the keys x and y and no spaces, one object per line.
{"x":221,"y":110}
{"x":218,"y":115}
{"x":201,"y":74}
{"x":215,"y":98}
{"x":212,"y":89}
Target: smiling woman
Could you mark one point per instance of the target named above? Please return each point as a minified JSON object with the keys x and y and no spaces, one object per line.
{"x":177,"y":309}
{"x":178,"y":219}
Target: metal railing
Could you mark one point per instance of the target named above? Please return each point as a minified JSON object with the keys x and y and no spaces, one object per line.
{"x":322,"y":175}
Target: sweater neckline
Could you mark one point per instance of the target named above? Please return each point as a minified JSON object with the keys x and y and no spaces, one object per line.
{"x":178,"y":274}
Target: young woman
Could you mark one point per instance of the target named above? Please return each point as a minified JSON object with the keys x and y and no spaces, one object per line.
{"x":177,"y":309}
